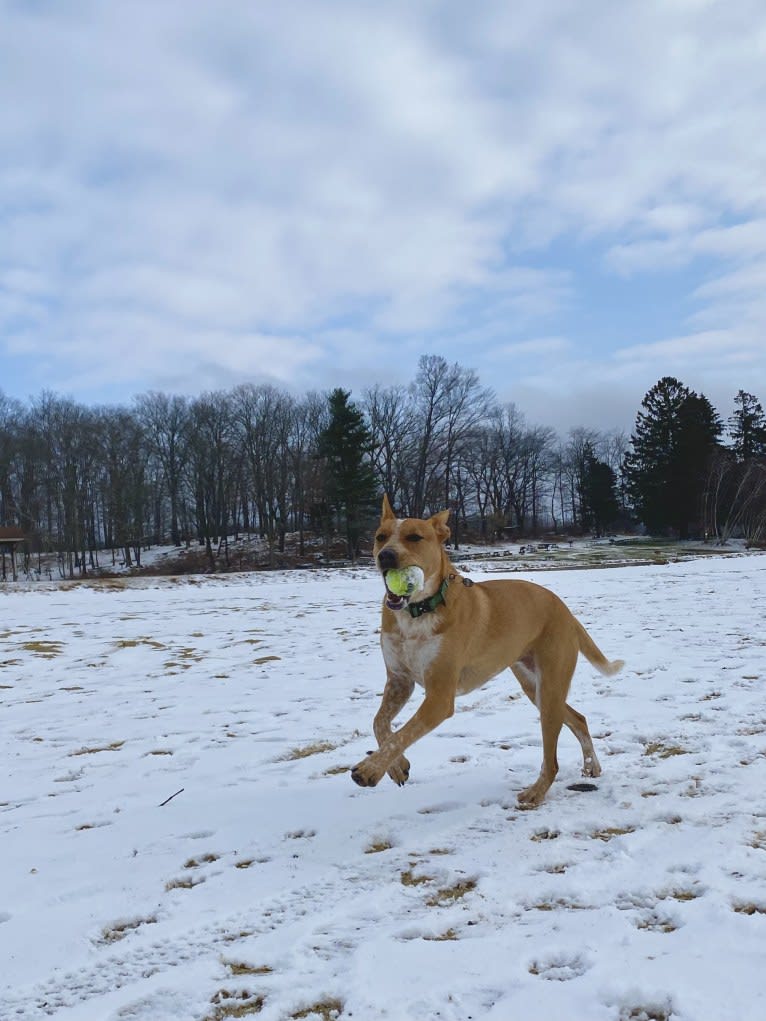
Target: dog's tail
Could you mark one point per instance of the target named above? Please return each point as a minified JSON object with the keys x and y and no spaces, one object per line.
{"x":594,"y":655}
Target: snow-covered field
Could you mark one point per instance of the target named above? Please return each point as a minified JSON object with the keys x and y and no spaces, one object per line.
{"x":271,"y":886}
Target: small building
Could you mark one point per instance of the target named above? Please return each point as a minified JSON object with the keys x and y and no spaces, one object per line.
{"x":11,"y":540}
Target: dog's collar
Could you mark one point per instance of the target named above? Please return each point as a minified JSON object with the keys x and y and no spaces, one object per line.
{"x":428,"y":605}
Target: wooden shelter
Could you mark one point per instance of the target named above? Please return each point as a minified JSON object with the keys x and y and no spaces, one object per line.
{"x":11,"y":539}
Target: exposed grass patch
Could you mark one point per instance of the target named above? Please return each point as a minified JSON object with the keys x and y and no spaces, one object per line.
{"x":541,"y":835}
{"x":408,"y":878}
{"x":610,"y":832}
{"x":113,"y":747}
{"x":377,"y":846}
{"x":240,"y":968}
{"x":48,"y":650}
{"x":336,"y":770}
{"x":683,"y":895}
{"x":557,"y":905}
{"x":184,"y":658}
{"x":646,"y":1014}
{"x":204,"y":859}
{"x":664,"y":751}
{"x":451,"y":894}
{"x":185,"y":883}
{"x":244,"y":864}
{"x":443,"y":937}
{"x":749,"y":908}
{"x":654,"y":922}
{"x":759,"y":840}
{"x":317,"y":748}
{"x":265,"y":659}
{"x":107,"y":584}
{"x":235,"y":937}
{"x":327,"y":1010}
{"x":114,"y":933}
{"x":228,"y":1004}
{"x":133,"y":643}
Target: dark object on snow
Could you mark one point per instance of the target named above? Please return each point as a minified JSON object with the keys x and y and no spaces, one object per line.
{"x":582,"y":787}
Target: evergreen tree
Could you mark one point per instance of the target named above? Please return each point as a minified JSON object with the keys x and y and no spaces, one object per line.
{"x":675,"y":436}
{"x":747,"y":427}
{"x":600,"y":505}
{"x":345,"y":445}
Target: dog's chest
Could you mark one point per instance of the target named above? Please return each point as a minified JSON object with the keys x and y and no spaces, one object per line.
{"x":411,"y":650}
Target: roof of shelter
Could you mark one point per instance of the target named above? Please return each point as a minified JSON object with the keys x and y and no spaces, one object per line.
{"x":11,"y":534}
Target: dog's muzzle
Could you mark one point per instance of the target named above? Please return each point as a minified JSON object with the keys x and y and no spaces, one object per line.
{"x":387,"y":559}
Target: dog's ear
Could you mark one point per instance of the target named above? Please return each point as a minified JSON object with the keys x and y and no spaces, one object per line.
{"x":387,"y":511}
{"x":439,"y":522}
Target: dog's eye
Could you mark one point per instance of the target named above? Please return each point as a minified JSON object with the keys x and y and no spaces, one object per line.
{"x":414,"y":537}
{"x":381,"y":537}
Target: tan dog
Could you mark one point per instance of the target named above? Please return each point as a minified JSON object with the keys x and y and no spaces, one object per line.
{"x":454,"y":635}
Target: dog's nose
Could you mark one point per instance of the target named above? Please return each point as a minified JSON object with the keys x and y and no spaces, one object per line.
{"x":387,"y":559}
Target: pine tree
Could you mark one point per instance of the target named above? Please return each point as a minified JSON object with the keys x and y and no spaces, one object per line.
{"x":674,"y":439}
{"x":747,"y":427}
{"x":600,"y":506}
{"x":345,"y":445}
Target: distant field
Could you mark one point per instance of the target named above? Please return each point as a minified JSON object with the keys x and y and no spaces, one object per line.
{"x":251,"y":553}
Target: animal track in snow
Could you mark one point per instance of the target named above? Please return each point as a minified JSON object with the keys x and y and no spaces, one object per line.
{"x":560,"y":967}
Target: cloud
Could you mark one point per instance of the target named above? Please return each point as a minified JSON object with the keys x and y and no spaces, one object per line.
{"x":536,"y":346}
{"x":287,"y":191}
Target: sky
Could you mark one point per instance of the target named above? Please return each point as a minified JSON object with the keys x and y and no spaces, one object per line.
{"x":568,"y":198}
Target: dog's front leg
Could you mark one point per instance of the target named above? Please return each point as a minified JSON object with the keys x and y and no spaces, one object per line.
{"x":437,"y":706}
{"x":395,"y":696}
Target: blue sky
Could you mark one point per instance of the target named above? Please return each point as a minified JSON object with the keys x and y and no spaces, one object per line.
{"x":570,"y":199}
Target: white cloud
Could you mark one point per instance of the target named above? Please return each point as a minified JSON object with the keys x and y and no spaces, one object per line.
{"x":535,"y":346}
{"x":279,"y":189}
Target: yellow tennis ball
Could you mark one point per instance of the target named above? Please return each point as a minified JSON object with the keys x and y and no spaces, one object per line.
{"x":404,"y":581}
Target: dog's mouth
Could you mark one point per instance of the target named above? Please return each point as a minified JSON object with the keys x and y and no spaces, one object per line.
{"x":394,"y":601}
{"x":401,"y":585}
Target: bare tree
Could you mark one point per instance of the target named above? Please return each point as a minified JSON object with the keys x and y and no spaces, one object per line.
{"x":212,"y":468}
{"x":391,"y":417}
{"x":163,"y":418}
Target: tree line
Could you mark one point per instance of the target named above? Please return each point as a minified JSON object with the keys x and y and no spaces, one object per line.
{"x":254,"y":459}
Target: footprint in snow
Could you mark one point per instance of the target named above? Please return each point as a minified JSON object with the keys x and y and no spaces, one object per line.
{"x":560,"y":967}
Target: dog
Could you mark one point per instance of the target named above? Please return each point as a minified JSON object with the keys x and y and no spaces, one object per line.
{"x":454,"y":635}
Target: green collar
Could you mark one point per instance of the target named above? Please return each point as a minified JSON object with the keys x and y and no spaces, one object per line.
{"x":428,"y":605}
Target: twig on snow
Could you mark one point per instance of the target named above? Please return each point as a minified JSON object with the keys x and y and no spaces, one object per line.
{"x":163,"y":803}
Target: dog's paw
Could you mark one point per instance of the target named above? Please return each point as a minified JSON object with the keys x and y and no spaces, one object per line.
{"x":591,"y":766}
{"x":399,"y":771}
{"x":532,"y":796}
{"x":366,"y":773}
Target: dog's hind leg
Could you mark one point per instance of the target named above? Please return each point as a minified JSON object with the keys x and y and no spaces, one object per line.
{"x":525,"y":672}
{"x":554,"y":666}
{"x":395,"y":696}
{"x":579,"y":727}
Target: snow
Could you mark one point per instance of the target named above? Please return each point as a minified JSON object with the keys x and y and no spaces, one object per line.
{"x":272,"y":886}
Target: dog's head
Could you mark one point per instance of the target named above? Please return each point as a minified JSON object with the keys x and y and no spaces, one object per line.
{"x":411,"y":542}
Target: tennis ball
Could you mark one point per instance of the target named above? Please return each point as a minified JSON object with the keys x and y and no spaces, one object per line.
{"x":404,"y":581}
